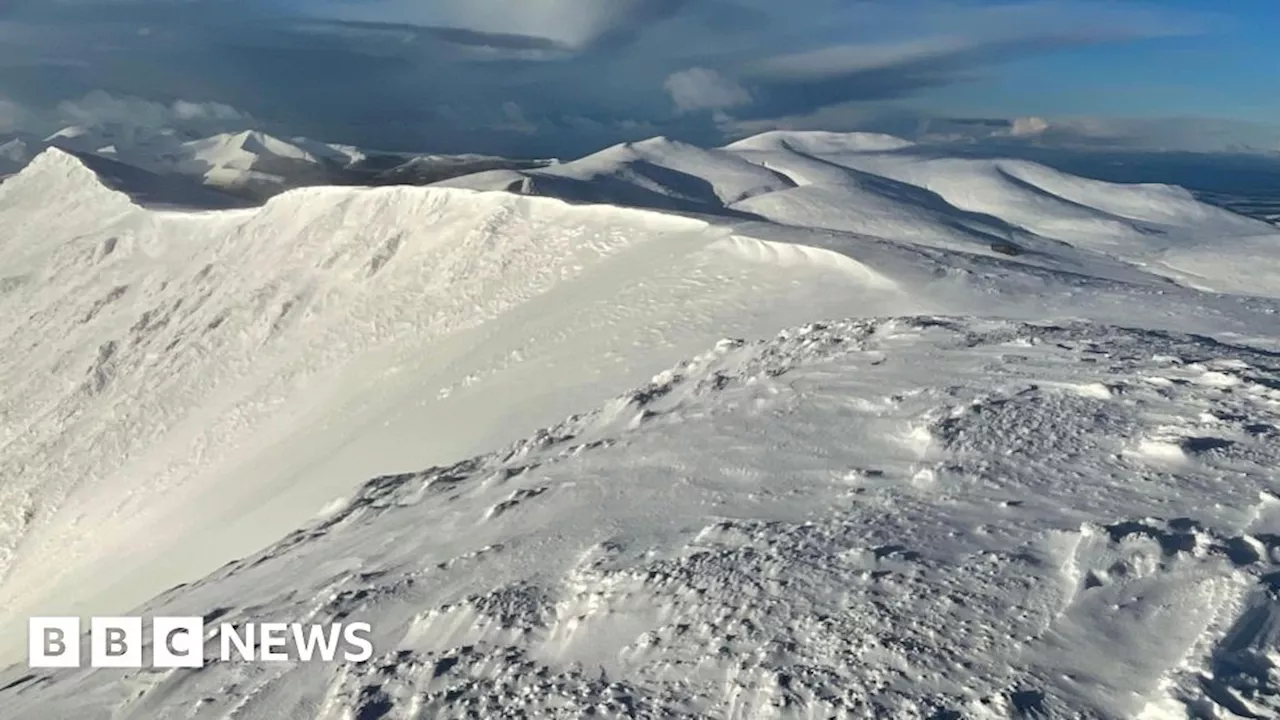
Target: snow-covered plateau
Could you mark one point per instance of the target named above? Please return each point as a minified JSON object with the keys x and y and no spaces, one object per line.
{"x":852,"y":431}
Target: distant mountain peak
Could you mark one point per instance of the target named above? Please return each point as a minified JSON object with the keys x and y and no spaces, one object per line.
{"x":58,"y":172}
{"x":56,"y":159}
{"x":241,"y":149}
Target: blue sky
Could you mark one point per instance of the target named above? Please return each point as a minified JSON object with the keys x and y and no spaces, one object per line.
{"x":568,"y":76}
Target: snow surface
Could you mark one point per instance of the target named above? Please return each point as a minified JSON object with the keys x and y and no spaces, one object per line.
{"x":914,"y":518}
{"x":1064,"y":510}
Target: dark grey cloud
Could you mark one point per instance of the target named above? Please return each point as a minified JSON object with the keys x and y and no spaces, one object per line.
{"x":809,"y":81}
{"x":531,"y":77}
{"x":577,"y":24}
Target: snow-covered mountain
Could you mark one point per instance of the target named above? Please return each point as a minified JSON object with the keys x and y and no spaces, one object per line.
{"x":428,"y":169}
{"x":1030,"y":475}
{"x":866,"y":184}
{"x":255,"y":165}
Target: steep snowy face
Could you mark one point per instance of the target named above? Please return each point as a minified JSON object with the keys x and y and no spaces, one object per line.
{"x":184,"y":387}
{"x":909,"y":518}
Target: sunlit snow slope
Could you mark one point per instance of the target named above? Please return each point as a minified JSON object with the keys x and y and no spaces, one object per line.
{"x":185,"y":385}
{"x":912,"y":518}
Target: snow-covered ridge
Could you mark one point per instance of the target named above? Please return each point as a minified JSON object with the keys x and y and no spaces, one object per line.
{"x":911,"y":517}
{"x":992,"y":207}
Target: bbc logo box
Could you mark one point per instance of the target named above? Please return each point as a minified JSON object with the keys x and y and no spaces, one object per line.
{"x":179,"y":642}
{"x":115,"y":642}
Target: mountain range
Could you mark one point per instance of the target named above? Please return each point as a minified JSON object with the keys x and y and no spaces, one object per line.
{"x":249,"y":164}
{"x":807,"y":425}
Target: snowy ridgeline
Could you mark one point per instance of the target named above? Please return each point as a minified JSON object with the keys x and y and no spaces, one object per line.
{"x":249,"y":164}
{"x":911,"y":518}
{"x":892,"y":518}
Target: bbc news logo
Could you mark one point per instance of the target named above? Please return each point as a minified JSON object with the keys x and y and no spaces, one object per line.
{"x":180,"y":642}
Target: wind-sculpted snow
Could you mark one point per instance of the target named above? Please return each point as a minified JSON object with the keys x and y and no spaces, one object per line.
{"x":912,"y":518}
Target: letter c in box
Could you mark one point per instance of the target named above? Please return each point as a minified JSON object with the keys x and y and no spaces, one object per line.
{"x":115,"y":642}
{"x":53,"y":642}
{"x":177,"y":642}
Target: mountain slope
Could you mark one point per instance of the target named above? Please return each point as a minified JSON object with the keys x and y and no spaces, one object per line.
{"x":185,"y":386}
{"x":188,"y":366}
{"x":1068,"y":521}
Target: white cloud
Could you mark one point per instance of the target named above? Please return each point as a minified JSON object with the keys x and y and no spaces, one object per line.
{"x":186,"y":110}
{"x":841,"y":60}
{"x":1028,"y":126}
{"x":698,"y":89}
{"x":131,"y":114}
{"x":13,"y":117}
{"x":98,"y":108}
{"x":514,"y":120}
